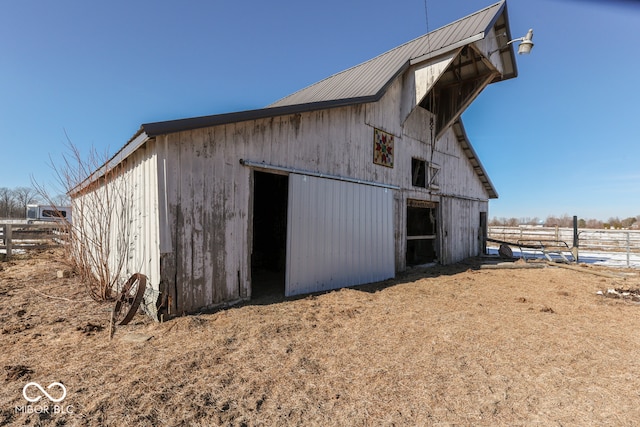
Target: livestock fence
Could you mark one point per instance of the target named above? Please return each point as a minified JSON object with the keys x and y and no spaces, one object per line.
{"x":621,"y":245}
{"x":22,"y":236}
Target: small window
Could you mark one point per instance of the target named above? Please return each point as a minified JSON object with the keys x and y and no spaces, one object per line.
{"x":424,"y":174}
{"x":418,"y":176}
{"x":48,"y":213}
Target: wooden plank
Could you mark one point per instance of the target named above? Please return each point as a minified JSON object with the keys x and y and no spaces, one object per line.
{"x":30,"y":235}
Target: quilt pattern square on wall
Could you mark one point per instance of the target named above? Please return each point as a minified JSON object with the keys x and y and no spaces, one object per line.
{"x":382,"y":148}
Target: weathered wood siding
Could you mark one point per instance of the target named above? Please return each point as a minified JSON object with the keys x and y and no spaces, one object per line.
{"x":461,"y":194}
{"x":209,"y":200}
{"x":462,"y":199}
{"x":460,"y":228}
{"x":209,"y":197}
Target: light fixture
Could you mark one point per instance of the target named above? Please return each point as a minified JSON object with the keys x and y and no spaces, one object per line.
{"x":526,"y":43}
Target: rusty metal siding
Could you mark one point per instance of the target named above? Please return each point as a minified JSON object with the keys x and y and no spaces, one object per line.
{"x":339,"y":234}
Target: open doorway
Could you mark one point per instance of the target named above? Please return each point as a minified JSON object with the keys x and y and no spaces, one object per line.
{"x":268,"y":256}
{"x":421,"y":232}
{"x":483,"y":233}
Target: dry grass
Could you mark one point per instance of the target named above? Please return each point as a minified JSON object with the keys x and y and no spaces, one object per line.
{"x":445,"y":346}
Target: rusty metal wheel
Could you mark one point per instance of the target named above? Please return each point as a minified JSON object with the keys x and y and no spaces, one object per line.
{"x":129,"y":299}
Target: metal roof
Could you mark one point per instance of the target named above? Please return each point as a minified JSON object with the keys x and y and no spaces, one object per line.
{"x":370,"y":79}
{"x":363,"y":83}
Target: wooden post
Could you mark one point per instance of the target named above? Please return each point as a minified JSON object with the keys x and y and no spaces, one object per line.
{"x":7,"y":239}
{"x":628,"y":250}
{"x":576,"y":241}
{"x":112,"y":328}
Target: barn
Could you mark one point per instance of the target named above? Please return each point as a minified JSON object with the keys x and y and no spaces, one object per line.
{"x":348,"y":181}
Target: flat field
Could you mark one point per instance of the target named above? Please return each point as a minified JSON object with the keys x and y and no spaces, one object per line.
{"x":452,"y":345}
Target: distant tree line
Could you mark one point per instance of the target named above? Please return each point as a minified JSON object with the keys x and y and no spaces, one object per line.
{"x":567,"y":221}
{"x":14,"y":201}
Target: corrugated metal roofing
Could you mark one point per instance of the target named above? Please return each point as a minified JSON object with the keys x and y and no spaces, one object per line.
{"x":369,"y":79}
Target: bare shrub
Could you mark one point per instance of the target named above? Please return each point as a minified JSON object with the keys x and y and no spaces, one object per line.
{"x":99,"y":232}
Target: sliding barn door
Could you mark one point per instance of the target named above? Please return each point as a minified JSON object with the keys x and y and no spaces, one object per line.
{"x":338,"y":234}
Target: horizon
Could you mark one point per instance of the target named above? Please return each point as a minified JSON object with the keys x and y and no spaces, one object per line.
{"x":549,"y":139}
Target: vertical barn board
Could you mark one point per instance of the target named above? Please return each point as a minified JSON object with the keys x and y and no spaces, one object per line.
{"x":208,"y":176}
{"x":233,"y":247}
{"x":325,"y":214}
{"x":209,"y":199}
{"x":460,"y":220}
{"x":197,"y":209}
{"x":170,"y":263}
{"x":457,"y":176}
{"x":185,"y":224}
{"x":400,"y":231}
{"x":242,"y":207}
{"x":216,"y":208}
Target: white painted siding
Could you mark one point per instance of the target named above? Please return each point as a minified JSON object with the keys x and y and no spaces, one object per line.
{"x":339,"y":234}
{"x":206,"y":256}
{"x":460,"y":228}
{"x":209,"y":192}
{"x":129,"y":231}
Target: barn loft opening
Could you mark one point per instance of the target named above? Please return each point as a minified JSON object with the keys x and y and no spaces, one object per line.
{"x":458,"y":86}
{"x":421,"y":233}
{"x":268,"y":256}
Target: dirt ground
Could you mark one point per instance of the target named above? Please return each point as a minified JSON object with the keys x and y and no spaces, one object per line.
{"x":442,"y":346}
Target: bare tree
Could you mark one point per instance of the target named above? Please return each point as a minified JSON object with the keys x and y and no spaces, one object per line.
{"x":594,"y":223}
{"x":512,"y":222}
{"x":24,"y":196}
{"x":7,"y":202}
{"x":61,"y":200}
{"x":614,"y":222}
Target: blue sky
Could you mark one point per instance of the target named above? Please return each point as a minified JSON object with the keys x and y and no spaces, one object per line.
{"x":559,"y":139}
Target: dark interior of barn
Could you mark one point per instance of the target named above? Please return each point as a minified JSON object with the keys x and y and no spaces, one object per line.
{"x":421,"y":235}
{"x":268,"y":257}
